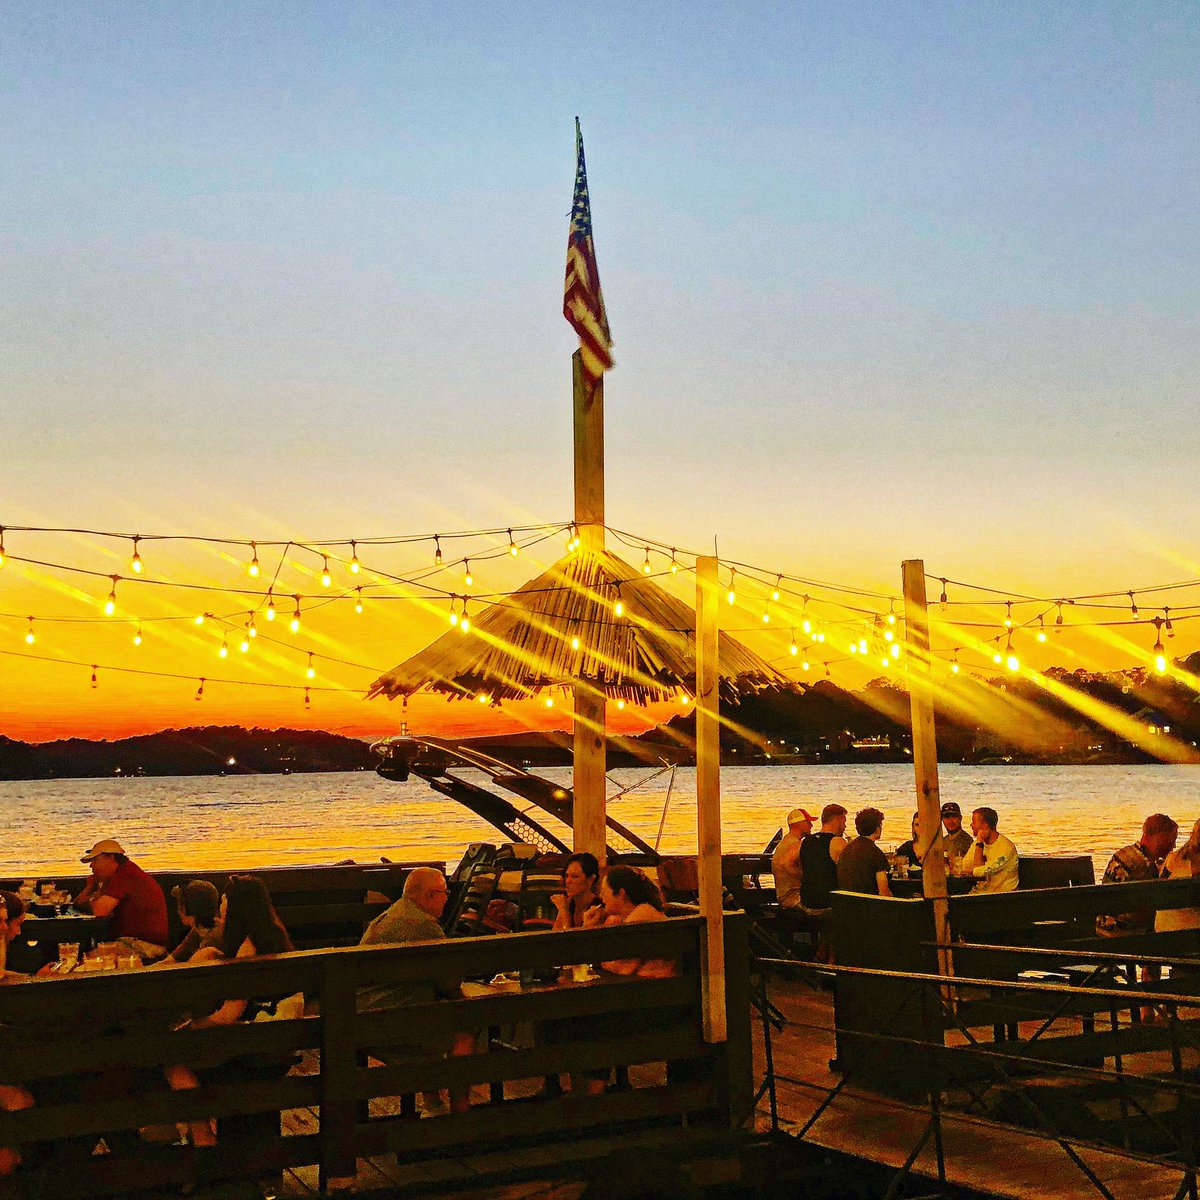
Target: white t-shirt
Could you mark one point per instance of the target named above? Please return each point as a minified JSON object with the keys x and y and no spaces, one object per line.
{"x":999,"y":870}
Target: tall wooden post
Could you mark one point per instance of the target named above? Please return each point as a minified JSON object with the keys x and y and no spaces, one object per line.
{"x":590,"y":736}
{"x":708,"y":795}
{"x":924,"y":744}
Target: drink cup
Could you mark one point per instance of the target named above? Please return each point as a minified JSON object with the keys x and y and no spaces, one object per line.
{"x":68,"y":954}
{"x":47,"y":889}
{"x":581,"y":972}
{"x":128,"y":962}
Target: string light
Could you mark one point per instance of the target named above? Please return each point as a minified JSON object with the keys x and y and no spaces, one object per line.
{"x":464,"y":622}
{"x":110,"y":605}
{"x":358,"y":601}
{"x":684,"y":699}
{"x":891,"y":617}
{"x":954,"y":662}
{"x":253,"y":568}
{"x":549,"y":701}
{"x":1169,"y":627}
{"x":646,"y":567}
{"x":942,"y":598}
{"x":199,"y":690}
{"x":224,"y":650}
{"x":251,"y":627}
{"x":468,"y":578}
{"x":575,"y":642}
{"x":1133,"y":608}
{"x":1058,"y":620}
{"x":804,"y":664}
{"x":895,"y":650}
{"x":355,"y":566}
{"x":244,"y":644}
{"x":307,"y":700}
{"x":731,"y":595}
{"x":775,"y":590}
{"x":295,"y":624}
{"x":620,"y":704}
{"x":199,"y":620}
{"x":1,"y":545}
{"x":1160,"y":656}
{"x":674,"y":564}
{"x":618,"y":604}
{"x":793,"y":647}
{"x":1010,"y":659}
{"x":30,"y":638}
{"x":1008,"y":614}
{"x":453,"y":610}
{"x":135,"y":563}
{"x":512,"y":546}
{"x":1041,"y":633}
{"x":437,"y":551}
{"x":766,"y":616}
{"x":326,"y":578}
{"x":310,"y":670}
{"x":95,"y":681}
{"x":270,"y":605}
{"x":137,"y":637}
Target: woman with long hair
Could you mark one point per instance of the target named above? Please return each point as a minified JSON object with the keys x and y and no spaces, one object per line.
{"x":1181,"y":863}
{"x":252,"y":927}
{"x":581,"y":888}
{"x":13,"y":1096}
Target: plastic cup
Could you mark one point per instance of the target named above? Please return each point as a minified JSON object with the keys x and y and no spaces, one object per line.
{"x":581,"y":972}
{"x":68,"y":953}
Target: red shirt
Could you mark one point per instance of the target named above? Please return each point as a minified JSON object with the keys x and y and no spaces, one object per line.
{"x":141,"y":910}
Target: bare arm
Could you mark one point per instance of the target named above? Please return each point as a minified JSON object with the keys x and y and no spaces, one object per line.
{"x":881,"y":881}
{"x":836,"y":846}
{"x":103,"y":906}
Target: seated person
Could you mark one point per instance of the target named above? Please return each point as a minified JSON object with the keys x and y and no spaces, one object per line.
{"x":12,"y":917}
{"x":252,"y":927}
{"x":199,"y":906}
{"x":908,"y":850}
{"x":581,"y":883}
{"x":630,"y":897}
{"x":785,"y":861}
{"x":120,"y":889}
{"x":414,"y":918}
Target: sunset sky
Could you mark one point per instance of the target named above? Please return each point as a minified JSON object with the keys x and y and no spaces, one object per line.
{"x":885,"y":281}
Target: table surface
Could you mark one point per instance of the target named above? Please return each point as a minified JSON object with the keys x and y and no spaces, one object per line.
{"x":64,"y":928}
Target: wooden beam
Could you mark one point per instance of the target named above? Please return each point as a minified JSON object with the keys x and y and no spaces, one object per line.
{"x":924,"y":744}
{"x":708,"y":795}
{"x":590,"y":735}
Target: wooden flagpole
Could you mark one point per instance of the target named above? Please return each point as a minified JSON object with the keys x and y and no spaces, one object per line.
{"x":924,"y":744}
{"x":590,"y":737}
{"x":708,"y":795}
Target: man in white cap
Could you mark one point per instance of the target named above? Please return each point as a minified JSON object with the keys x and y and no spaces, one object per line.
{"x":785,"y":862}
{"x":120,"y":889}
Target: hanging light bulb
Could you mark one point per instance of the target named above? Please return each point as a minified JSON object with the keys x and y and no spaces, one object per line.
{"x":512,"y":546}
{"x":1158,"y":646}
{"x":731,"y":595}
{"x":1160,"y":664}
{"x":244,"y":644}
{"x":137,"y":637}
{"x":358,"y":601}
{"x":1169,"y":627}
{"x":1133,"y":608}
{"x":199,"y":691}
{"x":884,"y":663}
{"x":775,"y":589}
{"x":853,"y":647}
{"x":1008,"y":614}
{"x":464,"y":622}
{"x":997,"y":657}
{"x":1041,"y":633}
{"x":295,"y":623}
{"x":894,"y":651}
{"x":674,"y":564}
{"x":1010,"y":659}
{"x":95,"y":681}
{"x":251,"y":627}
{"x":310,"y":670}
{"x":1,"y":545}
{"x":646,"y":567}
{"x":110,"y":605}
{"x":684,"y":699}
{"x":326,"y":578}
{"x":891,"y":617}
{"x":437,"y":551}
{"x":549,"y":701}
{"x":954,"y":663}
{"x":793,"y":648}
{"x":453,"y":610}
{"x":224,"y":650}
{"x":620,"y":704}
{"x":355,"y":565}
{"x":575,"y":642}
{"x":307,"y":699}
{"x":253,"y":568}
{"x":30,"y":638}
{"x":862,"y":645}
{"x":135,"y":563}
{"x":199,"y":619}
{"x":827,"y":671}
{"x":270,"y":606}
{"x":942,"y":598}
{"x":804,"y":665}
{"x":618,"y":604}
{"x":888,"y":636}
{"x":1058,"y":620}
{"x":766,"y":616}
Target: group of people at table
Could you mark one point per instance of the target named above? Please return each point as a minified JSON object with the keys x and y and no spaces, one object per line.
{"x":808,"y":866}
{"x":242,"y":923}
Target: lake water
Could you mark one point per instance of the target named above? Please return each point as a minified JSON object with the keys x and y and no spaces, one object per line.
{"x":261,"y":820}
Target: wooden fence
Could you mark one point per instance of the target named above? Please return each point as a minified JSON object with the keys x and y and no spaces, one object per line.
{"x":92,"y":1048}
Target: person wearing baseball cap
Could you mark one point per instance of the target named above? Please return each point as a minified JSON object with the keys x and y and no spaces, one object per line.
{"x":121,"y":890}
{"x":785,"y":862}
{"x":956,"y":841}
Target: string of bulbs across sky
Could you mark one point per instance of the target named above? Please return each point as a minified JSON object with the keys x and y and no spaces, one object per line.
{"x":828,"y":622}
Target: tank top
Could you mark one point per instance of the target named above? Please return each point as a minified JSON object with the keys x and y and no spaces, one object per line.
{"x":820,"y":871}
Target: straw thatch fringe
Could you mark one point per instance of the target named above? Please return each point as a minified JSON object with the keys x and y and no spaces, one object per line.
{"x":525,"y":644}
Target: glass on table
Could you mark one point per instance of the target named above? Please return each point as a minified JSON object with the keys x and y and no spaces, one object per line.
{"x":68,"y":954}
{"x":47,"y":889}
{"x":581,"y":972}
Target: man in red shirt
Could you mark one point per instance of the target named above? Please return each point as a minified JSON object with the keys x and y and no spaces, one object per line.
{"x":120,"y":889}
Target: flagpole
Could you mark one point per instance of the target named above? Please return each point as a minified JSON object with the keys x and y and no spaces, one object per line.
{"x":590,"y":733}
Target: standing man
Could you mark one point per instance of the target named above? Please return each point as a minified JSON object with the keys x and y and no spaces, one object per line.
{"x":862,"y":866}
{"x":956,"y":840}
{"x":785,"y":862}
{"x":120,"y":889}
{"x":1140,"y":862}
{"x":994,"y":862}
{"x":819,"y":853}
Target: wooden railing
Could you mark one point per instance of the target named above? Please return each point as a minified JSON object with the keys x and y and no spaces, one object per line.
{"x":92,"y":1048}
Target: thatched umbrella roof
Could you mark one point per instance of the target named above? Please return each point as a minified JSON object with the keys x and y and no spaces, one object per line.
{"x":563,"y":626}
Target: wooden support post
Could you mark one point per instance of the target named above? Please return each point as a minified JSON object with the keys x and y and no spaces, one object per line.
{"x":590,"y":736}
{"x":708,"y":794}
{"x":924,"y":745}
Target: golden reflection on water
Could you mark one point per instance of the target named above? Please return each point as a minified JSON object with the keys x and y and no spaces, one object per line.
{"x":260,"y":820}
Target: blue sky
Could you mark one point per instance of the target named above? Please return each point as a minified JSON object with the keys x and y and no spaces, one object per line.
{"x":884,"y":279}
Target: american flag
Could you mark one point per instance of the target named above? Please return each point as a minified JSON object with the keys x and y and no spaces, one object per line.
{"x":583,"y":305}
